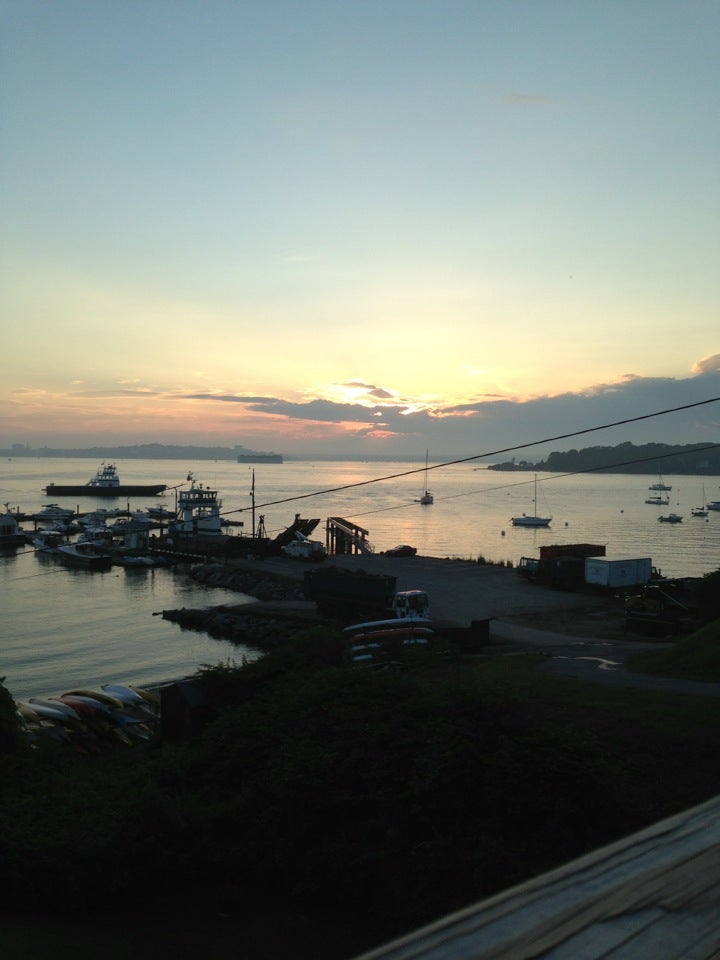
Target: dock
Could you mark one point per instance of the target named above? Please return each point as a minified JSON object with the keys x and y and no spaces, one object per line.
{"x":655,"y":894}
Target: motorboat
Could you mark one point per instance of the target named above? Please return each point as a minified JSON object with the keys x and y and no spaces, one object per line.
{"x":160,"y":513}
{"x":105,"y":483}
{"x":531,"y":520}
{"x":658,"y":501}
{"x":65,"y":525}
{"x":93,"y":520}
{"x":101,"y":515}
{"x":140,"y":560}
{"x":53,"y":511}
{"x":713,"y":505}
{"x":671,"y":518}
{"x":47,"y":541}
{"x":85,"y":554}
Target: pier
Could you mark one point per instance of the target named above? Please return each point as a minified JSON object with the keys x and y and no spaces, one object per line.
{"x":345,"y":537}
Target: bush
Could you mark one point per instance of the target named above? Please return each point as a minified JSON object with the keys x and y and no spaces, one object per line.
{"x":10,"y":726}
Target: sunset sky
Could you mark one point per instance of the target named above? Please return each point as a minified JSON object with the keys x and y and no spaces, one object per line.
{"x":358,"y":226}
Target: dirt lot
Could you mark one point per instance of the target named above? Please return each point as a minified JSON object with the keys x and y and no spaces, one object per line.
{"x":461,"y":591}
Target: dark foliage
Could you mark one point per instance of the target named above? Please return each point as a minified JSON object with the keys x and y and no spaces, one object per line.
{"x":648,"y":458}
{"x":10,"y":739}
{"x":391,"y":797}
{"x":707,"y":590}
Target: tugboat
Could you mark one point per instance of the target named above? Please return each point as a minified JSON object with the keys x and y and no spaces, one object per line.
{"x":11,"y":535}
{"x":198,"y":512}
{"x":105,"y":483}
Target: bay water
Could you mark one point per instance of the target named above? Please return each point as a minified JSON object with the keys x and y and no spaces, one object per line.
{"x":65,"y":628}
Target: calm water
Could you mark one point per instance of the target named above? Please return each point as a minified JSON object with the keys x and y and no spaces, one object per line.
{"x":66,"y":628}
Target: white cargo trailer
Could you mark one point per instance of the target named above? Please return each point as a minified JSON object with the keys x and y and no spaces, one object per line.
{"x":617,"y":572}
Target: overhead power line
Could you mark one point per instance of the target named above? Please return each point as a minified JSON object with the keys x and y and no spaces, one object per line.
{"x":481,"y":456}
{"x":555,"y":476}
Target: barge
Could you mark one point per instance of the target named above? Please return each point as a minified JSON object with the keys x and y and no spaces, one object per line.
{"x":105,"y":483}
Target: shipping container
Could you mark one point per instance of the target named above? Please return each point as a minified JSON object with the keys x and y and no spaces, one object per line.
{"x":621,"y":572}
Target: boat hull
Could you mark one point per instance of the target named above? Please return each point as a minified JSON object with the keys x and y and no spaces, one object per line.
{"x":87,"y":560}
{"x":124,"y":490}
{"x":530,"y":521}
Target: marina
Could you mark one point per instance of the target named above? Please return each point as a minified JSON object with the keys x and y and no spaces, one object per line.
{"x":67,"y":625}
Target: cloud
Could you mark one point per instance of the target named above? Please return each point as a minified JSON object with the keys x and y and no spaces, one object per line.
{"x":489,"y":422}
{"x":661,"y":409}
{"x":708,"y":364}
{"x":228,"y":398}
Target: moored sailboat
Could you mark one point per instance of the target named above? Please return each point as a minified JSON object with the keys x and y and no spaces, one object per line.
{"x":660,"y":485}
{"x":426,"y":498}
{"x":534,"y":520}
{"x":700,"y":511}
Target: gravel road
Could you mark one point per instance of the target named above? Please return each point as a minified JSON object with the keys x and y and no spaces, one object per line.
{"x":582,"y":634}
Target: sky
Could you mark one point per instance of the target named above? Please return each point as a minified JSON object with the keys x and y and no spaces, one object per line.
{"x":359,"y":227}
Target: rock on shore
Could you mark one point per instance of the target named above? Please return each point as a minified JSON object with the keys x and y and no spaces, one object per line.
{"x":278,"y":611}
{"x":254,"y":583}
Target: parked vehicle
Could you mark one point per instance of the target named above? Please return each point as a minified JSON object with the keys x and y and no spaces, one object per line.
{"x":303,"y":548}
{"x":402,"y":550}
{"x":350,"y":597}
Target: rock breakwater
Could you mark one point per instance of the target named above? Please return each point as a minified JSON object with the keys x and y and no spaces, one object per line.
{"x":280,"y":610}
{"x":254,"y":583}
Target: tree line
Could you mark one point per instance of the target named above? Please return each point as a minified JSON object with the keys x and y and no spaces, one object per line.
{"x":696,"y":459}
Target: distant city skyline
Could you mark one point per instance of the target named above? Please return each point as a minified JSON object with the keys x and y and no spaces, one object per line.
{"x":356,"y":228}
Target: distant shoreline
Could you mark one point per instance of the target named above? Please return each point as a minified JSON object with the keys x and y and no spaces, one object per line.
{"x":695,"y":460}
{"x":195,"y":453}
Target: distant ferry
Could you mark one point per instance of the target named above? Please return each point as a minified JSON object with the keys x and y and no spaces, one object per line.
{"x":259,"y":458}
{"x":105,"y":483}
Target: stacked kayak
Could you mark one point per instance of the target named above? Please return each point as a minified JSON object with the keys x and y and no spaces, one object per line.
{"x":92,"y":720}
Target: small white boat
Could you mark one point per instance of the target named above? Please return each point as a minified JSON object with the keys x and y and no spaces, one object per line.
{"x":65,"y":525}
{"x":660,"y":485}
{"x":84,"y":554}
{"x":92,"y":521}
{"x":533,"y":520}
{"x":160,"y":513}
{"x":658,"y":501}
{"x":143,"y":560}
{"x":713,"y":505}
{"x":53,"y":511}
{"x":671,"y":518}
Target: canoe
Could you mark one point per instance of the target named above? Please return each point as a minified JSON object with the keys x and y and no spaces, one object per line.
{"x":58,"y":715}
{"x":98,"y":695}
{"x":54,"y":705}
{"x":122,"y":693}
{"x":150,"y":695}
